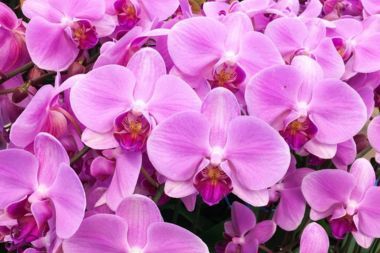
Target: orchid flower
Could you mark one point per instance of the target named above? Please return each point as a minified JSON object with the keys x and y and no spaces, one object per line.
{"x":311,"y":112}
{"x":119,"y":106}
{"x":243,"y":234}
{"x":295,"y":37}
{"x":216,"y":151}
{"x":347,"y":199}
{"x":314,"y":239}
{"x":137,"y":227}
{"x":226,"y":52}
{"x":58,"y":30}
{"x":39,"y":182}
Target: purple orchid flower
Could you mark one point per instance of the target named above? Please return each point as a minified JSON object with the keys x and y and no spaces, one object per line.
{"x":67,"y":27}
{"x":357,"y":44}
{"x":120,"y":107}
{"x":295,"y":37}
{"x":311,"y":112}
{"x":12,"y":48}
{"x":348,"y":199}
{"x":314,"y":239}
{"x":244,"y":235}
{"x":40,"y":181}
{"x":137,"y":227}
{"x":216,"y":151}
{"x":224,"y":52}
{"x":44,"y":113}
{"x":334,"y":9}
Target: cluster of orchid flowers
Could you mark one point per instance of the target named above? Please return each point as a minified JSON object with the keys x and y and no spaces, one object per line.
{"x":110,"y":110}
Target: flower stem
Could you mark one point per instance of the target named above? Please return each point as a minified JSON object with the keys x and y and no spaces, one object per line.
{"x":159,"y":193}
{"x":22,"y":69}
{"x":149,"y":178}
{"x":79,"y":155}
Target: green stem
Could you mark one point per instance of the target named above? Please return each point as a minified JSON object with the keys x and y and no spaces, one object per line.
{"x":197,"y":214}
{"x":159,"y":193}
{"x":149,"y":178}
{"x":79,"y":155}
{"x":347,"y":244}
{"x":15,"y":72}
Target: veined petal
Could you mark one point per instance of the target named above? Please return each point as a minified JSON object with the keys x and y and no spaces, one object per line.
{"x":140,"y":213}
{"x":250,"y":144}
{"x":314,"y":239}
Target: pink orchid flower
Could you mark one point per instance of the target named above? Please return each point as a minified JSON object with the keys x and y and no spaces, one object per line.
{"x":294,"y":37}
{"x":243,"y":233}
{"x":311,"y":112}
{"x":226,"y":53}
{"x":216,"y":151}
{"x":348,"y":199}
{"x":58,"y":30}
{"x":119,"y":106}
{"x":41,"y":180}
{"x":373,"y":136}
{"x":357,"y":45}
{"x":137,"y":227}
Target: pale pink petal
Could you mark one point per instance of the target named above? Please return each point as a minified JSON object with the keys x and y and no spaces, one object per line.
{"x":371,"y":6}
{"x":345,"y":154}
{"x":160,"y":9}
{"x":148,"y":66}
{"x":170,"y":238}
{"x":272,"y":93}
{"x":363,"y":240}
{"x":196,"y":44}
{"x":369,"y":213}
{"x":367,"y":53}
{"x":288,"y":34}
{"x":263,"y":231}
{"x":18,"y":175}
{"x":41,"y":8}
{"x":140,"y":213}
{"x":172,"y":95}
{"x":322,"y":150}
{"x":178,"y":189}
{"x":50,"y":154}
{"x":373,"y":133}
{"x":257,"y":52}
{"x":99,"y":140}
{"x":337,"y":119}
{"x":290,"y":210}
{"x":364,"y":175}
{"x":325,"y":188}
{"x":237,"y":24}
{"x":314,"y":239}
{"x":53,"y":51}
{"x":104,"y":93}
{"x":220,"y":107}
{"x":329,"y":59}
{"x":70,"y":204}
{"x":98,"y":234}
{"x":124,"y":180}
{"x":83,"y":9}
{"x":250,"y":144}
{"x":177,"y":146}
{"x":33,"y":118}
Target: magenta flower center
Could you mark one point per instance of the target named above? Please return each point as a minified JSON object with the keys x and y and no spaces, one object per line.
{"x":126,"y":13}
{"x":131,"y":131}
{"x":298,"y":132}
{"x":340,"y":227}
{"x":228,"y":75}
{"x":212,"y":184}
{"x":84,"y":34}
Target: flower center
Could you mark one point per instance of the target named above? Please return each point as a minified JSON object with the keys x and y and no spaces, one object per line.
{"x":84,"y":34}
{"x":228,"y":75}
{"x":131,"y":130}
{"x":126,"y":13}
{"x":342,"y":48}
{"x":213,"y":184}
{"x":298,"y":132}
{"x":341,"y":226}
{"x":136,"y":250}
